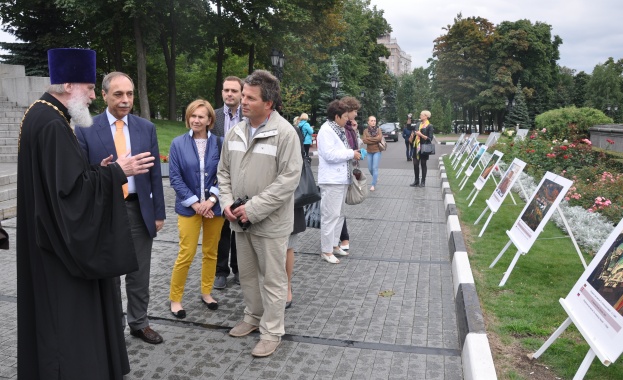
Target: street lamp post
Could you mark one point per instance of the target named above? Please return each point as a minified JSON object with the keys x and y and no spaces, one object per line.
{"x":278,"y":60}
{"x":335,"y":83}
{"x":612,"y":109}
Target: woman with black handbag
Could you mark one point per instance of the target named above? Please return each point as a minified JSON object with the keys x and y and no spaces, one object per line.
{"x":422,"y":135}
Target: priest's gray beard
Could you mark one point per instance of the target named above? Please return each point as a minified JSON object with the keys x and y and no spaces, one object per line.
{"x":80,"y":114}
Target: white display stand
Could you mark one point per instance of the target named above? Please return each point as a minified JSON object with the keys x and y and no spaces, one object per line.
{"x":458,"y":144}
{"x":521,"y":134}
{"x":472,"y":165}
{"x":595,"y":306}
{"x":492,"y":139}
{"x":501,"y":191}
{"x":484,"y":175}
{"x":467,"y":145}
{"x":472,"y":152}
{"x":545,"y":200}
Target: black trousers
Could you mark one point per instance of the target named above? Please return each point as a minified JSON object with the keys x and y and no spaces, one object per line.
{"x":344,"y":234}
{"x":226,"y":245}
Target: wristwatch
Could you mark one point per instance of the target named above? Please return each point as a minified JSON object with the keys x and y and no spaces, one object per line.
{"x":212,"y":199}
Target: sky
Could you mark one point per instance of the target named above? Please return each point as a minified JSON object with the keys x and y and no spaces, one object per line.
{"x":591,"y":31}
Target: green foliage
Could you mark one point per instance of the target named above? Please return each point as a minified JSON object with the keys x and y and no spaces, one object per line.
{"x":570,"y":123}
{"x":166,"y":131}
{"x":605,"y":87}
{"x":593,"y":171}
{"x":518,"y":116}
{"x":525,"y":312}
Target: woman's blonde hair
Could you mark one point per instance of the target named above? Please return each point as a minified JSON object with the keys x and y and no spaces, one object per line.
{"x":304,"y":116}
{"x":427,"y":113}
{"x":192,"y":107}
{"x":296,"y":121}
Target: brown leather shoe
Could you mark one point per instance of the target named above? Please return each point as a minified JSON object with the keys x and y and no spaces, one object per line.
{"x":147,"y":335}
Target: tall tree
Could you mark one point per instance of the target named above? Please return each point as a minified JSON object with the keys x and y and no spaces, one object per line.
{"x":604,"y":88}
{"x":462,"y":54}
{"x":518,"y":115}
{"x":41,"y":25}
{"x":579,"y":88}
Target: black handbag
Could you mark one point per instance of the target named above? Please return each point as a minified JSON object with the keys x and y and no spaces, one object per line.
{"x":427,"y":148}
{"x":307,"y":192}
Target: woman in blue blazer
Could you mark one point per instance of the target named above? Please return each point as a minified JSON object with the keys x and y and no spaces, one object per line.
{"x":193,"y":162}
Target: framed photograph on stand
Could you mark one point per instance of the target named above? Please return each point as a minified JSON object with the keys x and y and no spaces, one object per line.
{"x":595,"y":305}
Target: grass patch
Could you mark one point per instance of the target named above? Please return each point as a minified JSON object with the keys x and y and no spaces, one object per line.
{"x":521,"y":315}
{"x":166,"y":131}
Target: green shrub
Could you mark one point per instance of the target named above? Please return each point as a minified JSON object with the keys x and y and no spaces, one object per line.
{"x":570,"y":123}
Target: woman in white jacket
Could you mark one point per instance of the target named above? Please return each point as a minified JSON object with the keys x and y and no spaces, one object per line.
{"x":334,"y":176}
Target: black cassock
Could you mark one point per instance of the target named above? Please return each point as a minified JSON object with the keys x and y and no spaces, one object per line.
{"x":73,"y":238}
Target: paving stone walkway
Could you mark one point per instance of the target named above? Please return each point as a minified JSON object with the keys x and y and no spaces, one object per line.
{"x":339,"y":327}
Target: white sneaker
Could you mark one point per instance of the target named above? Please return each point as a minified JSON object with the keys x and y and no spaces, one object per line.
{"x":345,"y":247}
{"x":339,"y":251}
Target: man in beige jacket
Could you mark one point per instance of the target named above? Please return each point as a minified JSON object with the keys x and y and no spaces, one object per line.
{"x":261,"y":160}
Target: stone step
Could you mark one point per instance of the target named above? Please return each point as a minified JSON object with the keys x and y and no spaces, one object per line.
{"x":8,"y":209}
{"x":8,"y":192}
{"x":8,"y":141}
{"x":9,"y":126}
{"x":9,"y":178}
{"x":8,"y":158}
{"x":13,"y":133}
{"x":11,"y":120}
{"x":10,"y":106}
{"x":8,"y":149}
{"x":11,"y":113}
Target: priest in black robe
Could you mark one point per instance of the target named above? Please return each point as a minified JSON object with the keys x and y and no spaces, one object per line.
{"x":73,"y":235}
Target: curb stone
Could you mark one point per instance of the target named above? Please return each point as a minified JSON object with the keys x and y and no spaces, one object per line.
{"x":475,"y":350}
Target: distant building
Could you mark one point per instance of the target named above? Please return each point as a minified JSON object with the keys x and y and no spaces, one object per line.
{"x":399,"y":62}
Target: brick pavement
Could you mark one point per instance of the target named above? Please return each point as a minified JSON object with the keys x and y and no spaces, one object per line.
{"x":338,"y":327}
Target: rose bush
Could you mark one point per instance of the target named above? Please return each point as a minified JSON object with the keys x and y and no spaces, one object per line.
{"x":596,"y":186}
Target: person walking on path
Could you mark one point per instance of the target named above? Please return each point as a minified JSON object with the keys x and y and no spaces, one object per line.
{"x":307,"y":131}
{"x":372,"y":137}
{"x":406,"y":133}
{"x":226,"y":118}
{"x":260,"y":169}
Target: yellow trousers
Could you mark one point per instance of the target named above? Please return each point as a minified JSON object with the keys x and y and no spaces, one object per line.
{"x":189,"y":228}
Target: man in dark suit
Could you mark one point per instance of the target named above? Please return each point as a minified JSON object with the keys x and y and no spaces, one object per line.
{"x":117,"y":133}
{"x":226,"y":117}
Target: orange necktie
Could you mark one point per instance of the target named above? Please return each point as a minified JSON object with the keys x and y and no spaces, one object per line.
{"x":120,"y":147}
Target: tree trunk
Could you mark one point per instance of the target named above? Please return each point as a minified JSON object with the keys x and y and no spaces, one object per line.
{"x":220,"y":56}
{"x":141,"y":70}
{"x":170,"y":56}
{"x":117,"y":47}
{"x":251,"y":57}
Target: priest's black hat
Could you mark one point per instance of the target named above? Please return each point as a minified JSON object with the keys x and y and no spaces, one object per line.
{"x":71,"y":65}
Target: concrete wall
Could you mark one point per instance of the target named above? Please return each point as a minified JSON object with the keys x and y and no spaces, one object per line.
{"x":15,"y":85}
{"x":601,"y":133}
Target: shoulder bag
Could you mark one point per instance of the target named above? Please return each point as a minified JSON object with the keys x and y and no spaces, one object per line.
{"x":382,"y":144}
{"x":427,"y":148}
{"x":307,"y":192}
{"x":358,"y":189}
